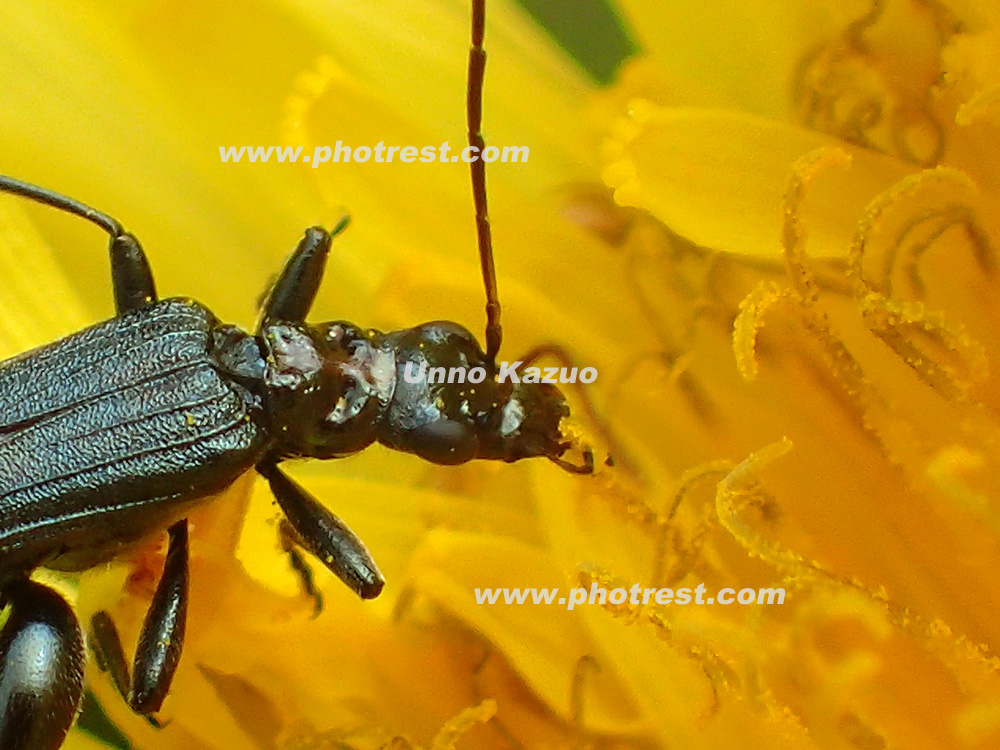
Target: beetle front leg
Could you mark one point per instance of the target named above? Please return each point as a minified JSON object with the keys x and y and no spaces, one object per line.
{"x":161,"y":639}
{"x":325,"y":535}
{"x":291,"y":296}
{"x":41,"y":668}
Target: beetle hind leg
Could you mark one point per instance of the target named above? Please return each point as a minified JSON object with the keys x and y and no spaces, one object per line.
{"x":41,"y":667}
{"x":106,"y":645}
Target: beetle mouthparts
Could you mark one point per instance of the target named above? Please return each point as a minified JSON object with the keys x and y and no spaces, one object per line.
{"x":587,"y":467}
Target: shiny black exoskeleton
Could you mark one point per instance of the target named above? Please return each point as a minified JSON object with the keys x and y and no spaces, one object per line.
{"x":113,"y":434}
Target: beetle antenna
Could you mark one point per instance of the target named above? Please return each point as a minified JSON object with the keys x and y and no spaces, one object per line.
{"x":109,"y":224}
{"x":474,"y":117}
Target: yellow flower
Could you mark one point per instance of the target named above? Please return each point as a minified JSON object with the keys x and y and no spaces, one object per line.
{"x":137,"y":103}
{"x":819,"y":268}
{"x":788,"y":299}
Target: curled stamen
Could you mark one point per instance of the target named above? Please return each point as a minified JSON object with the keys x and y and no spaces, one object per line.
{"x":455,"y":727}
{"x":854,"y":31}
{"x":959,"y":215}
{"x":749,"y":321}
{"x":940,"y":353}
{"x":793,"y":233}
{"x":957,"y":652}
{"x":887,"y":200}
{"x":844,"y":88}
{"x":688,"y":480}
{"x":906,"y":128}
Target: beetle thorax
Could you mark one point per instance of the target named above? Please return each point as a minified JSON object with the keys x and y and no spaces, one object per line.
{"x":326,"y":386}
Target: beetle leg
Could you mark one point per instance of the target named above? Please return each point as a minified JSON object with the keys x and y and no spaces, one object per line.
{"x":324,"y":535}
{"x":162,"y":633}
{"x":131,"y":276}
{"x":41,"y":668}
{"x":291,"y":543}
{"x":292,"y":295}
{"x":106,"y":645}
{"x":161,"y":638}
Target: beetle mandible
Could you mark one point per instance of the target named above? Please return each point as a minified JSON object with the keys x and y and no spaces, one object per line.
{"x":113,"y":434}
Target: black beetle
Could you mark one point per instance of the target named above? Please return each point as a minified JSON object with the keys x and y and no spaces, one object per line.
{"x":113,"y":434}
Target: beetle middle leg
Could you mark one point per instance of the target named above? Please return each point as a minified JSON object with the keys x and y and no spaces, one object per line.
{"x":160,"y":640}
{"x":131,"y":276}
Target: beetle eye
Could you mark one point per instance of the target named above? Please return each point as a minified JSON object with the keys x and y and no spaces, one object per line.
{"x":444,"y":442}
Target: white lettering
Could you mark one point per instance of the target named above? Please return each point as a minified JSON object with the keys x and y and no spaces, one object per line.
{"x":415,"y":377}
{"x":508,"y":370}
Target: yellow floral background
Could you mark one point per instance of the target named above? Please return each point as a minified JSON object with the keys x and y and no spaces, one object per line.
{"x":774,"y":236}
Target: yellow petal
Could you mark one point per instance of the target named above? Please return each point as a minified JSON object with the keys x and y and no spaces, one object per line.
{"x":543,"y":642}
{"x":717,"y":178}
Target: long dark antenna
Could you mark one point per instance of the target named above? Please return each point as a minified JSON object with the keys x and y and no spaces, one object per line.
{"x":131,"y":276}
{"x":40,"y":195}
{"x":474,"y":116}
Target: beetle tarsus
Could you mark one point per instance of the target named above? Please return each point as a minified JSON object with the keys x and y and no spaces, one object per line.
{"x":290,"y":543}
